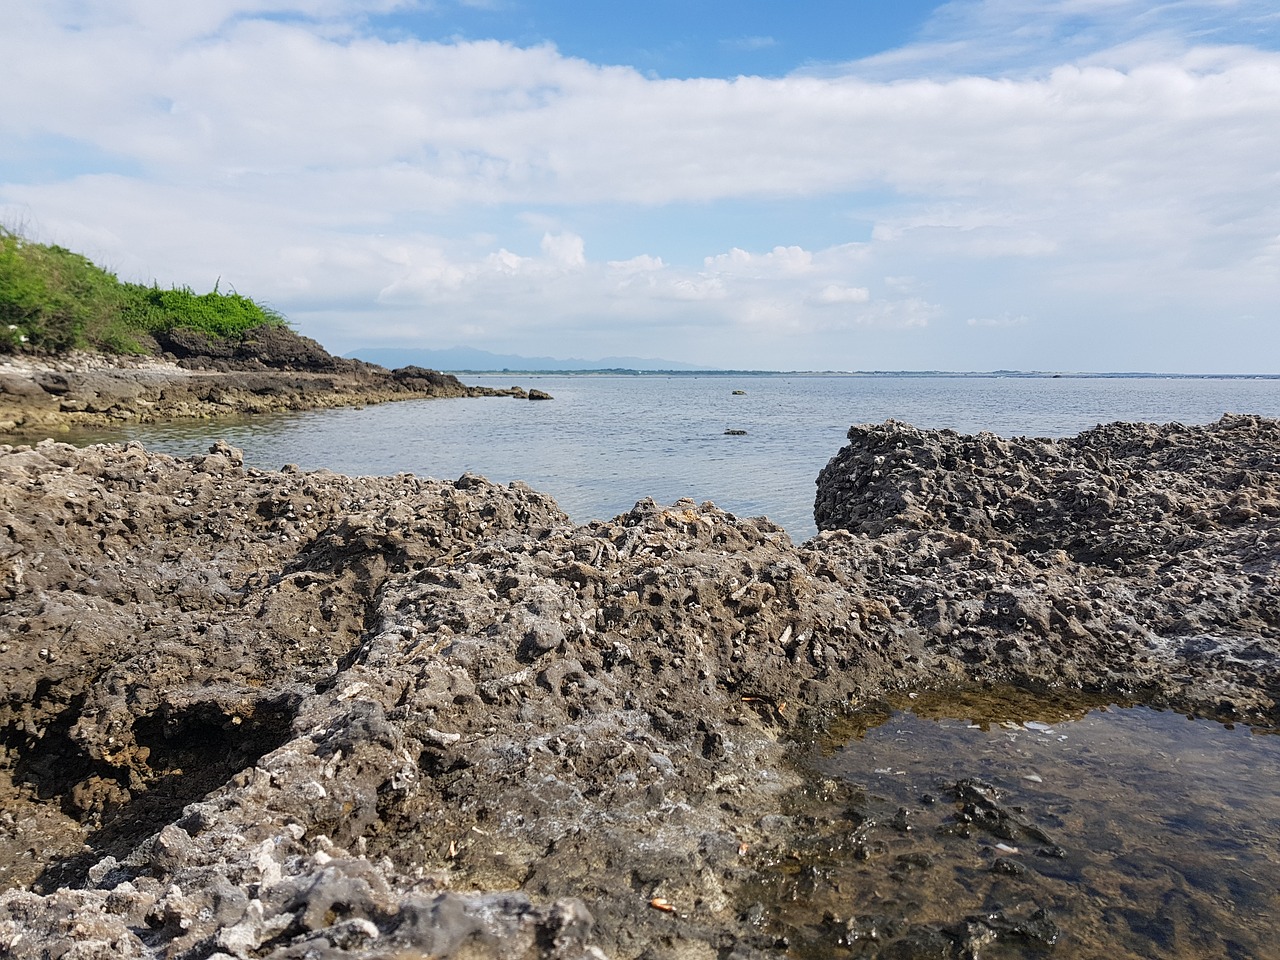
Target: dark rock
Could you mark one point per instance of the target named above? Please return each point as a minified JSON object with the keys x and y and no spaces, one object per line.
{"x":1008,"y":866}
{"x":285,"y":714}
{"x":420,"y":378}
{"x":260,"y":348}
{"x":1054,"y":561}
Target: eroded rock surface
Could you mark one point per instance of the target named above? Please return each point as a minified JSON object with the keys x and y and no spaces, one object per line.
{"x":1137,"y":556}
{"x":204,"y":379}
{"x":286,"y":714}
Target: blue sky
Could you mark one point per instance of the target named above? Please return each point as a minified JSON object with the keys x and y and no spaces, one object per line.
{"x":681,"y":38}
{"x":976,"y":185}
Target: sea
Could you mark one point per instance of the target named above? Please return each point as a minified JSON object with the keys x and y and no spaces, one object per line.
{"x":608,"y":440}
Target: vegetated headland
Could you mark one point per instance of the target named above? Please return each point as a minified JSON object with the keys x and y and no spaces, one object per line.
{"x":79,"y":347}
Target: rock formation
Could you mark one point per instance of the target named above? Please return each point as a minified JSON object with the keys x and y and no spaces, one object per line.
{"x":198,"y":377}
{"x":1132,"y":557}
{"x":286,"y":714}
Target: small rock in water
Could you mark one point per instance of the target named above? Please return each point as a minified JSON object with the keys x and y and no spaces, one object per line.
{"x":1009,"y":867}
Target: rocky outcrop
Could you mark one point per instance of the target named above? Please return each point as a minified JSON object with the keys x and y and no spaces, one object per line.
{"x":286,"y":714}
{"x":277,"y":372}
{"x":1143,"y":555}
{"x":269,"y":347}
{"x":397,"y":688}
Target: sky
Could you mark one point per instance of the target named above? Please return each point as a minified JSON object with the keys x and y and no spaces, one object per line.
{"x":1058,"y":185}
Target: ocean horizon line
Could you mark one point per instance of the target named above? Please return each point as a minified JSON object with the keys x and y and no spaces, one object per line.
{"x":976,"y":374}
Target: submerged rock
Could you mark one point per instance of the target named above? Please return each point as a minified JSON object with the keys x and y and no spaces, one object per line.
{"x":284,"y":714}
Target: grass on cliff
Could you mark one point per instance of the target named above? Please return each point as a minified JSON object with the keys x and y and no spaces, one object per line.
{"x":53,"y":300}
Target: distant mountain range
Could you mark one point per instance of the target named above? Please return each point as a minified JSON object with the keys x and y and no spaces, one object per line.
{"x":471,"y":360}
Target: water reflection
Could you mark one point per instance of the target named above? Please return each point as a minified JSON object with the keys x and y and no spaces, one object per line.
{"x":1029,"y":825}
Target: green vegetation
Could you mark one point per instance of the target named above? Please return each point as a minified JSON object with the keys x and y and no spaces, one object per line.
{"x":53,"y":300}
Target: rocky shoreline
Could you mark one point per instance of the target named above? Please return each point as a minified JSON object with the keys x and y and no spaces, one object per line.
{"x":280,"y":714}
{"x":198,"y":378}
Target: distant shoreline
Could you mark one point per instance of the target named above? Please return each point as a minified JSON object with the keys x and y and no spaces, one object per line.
{"x":40,"y":395}
{"x":871,"y":374}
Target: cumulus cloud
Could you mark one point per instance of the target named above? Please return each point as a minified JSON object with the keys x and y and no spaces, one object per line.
{"x":641,"y":264}
{"x":326,"y":165}
{"x":475,"y":122}
{"x":565,"y":250}
{"x":834,"y":293}
{"x":778,"y":261}
{"x":494,"y":296}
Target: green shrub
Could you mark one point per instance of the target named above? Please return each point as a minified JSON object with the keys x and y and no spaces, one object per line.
{"x":214,"y":313}
{"x":53,"y":300}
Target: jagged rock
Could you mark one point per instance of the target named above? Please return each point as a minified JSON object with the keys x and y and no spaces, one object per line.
{"x":1129,"y":546}
{"x":282,"y":714}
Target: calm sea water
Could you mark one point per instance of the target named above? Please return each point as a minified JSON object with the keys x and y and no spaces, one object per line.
{"x":607,"y":441}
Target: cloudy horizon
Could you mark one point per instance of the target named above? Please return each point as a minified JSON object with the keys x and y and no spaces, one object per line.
{"x":983,"y":184}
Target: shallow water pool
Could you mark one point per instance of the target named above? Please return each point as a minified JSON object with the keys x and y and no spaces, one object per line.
{"x":1001,"y":824}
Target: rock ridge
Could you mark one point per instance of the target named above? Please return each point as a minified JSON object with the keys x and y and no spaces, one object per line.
{"x":1136,"y":544}
{"x":199,"y":377}
{"x":286,"y":714}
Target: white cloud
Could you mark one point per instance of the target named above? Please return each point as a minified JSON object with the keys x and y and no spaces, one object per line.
{"x":1023,"y":38}
{"x":458,"y":123}
{"x":565,"y":250}
{"x":323,"y":166}
{"x":641,"y":264}
{"x":834,"y":293}
{"x":692,"y":288}
{"x":908,"y":313}
{"x":778,"y":261}
{"x":939,"y":234}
